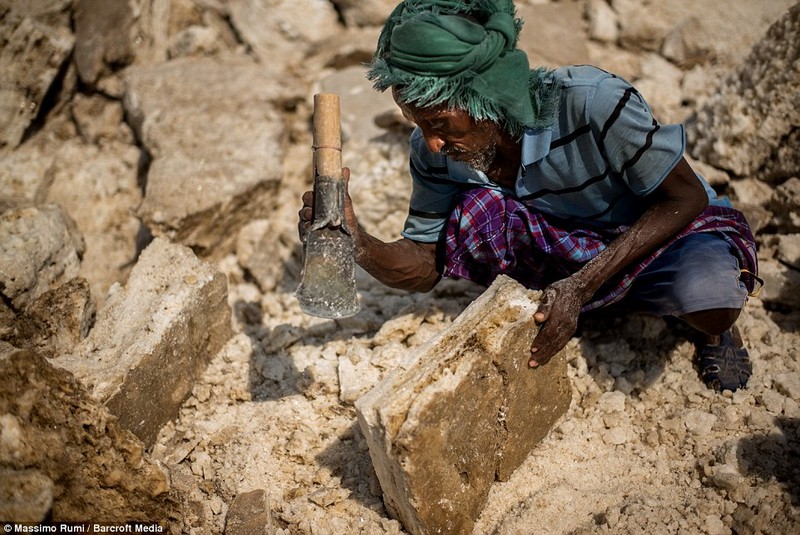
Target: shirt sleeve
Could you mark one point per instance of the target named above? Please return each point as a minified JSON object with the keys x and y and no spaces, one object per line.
{"x":432,"y":193}
{"x":638,"y":149}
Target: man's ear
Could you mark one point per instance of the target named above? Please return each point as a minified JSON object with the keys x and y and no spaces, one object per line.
{"x":397,"y":94}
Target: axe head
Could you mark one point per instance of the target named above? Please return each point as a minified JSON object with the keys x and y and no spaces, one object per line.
{"x":328,"y":285}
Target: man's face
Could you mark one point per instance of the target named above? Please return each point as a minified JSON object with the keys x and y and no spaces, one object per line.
{"x":455,"y":134}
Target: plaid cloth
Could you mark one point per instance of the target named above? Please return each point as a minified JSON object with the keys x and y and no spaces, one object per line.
{"x":489,"y":234}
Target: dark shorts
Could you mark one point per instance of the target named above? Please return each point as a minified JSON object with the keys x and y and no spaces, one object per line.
{"x":698,"y":272}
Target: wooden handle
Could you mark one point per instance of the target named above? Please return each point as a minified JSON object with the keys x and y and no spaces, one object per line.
{"x":327,"y":135}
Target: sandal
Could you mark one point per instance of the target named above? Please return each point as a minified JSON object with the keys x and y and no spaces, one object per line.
{"x":725,"y":366}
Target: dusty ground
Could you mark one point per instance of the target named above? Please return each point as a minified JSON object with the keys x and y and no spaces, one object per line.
{"x":644,"y":447}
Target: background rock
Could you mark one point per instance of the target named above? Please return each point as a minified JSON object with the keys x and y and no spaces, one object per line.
{"x":25,"y":495}
{"x":547,"y":44}
{"x":713,"y":29}
{"x":202,"y":189}
{"x":104,"y":34}
{"x":99,"y":184}
{"x":283,"y":28}
{"x":785,"y":203}
{"x":56,"y":321}
{"x":360,"y":104}
{"x":365,"y":12}
{"x":755,"y":111}
{"x":41,"y":51}
{"x":41,"y":249}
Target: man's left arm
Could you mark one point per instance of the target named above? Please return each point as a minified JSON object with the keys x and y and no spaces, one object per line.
{"x":677,"y":201}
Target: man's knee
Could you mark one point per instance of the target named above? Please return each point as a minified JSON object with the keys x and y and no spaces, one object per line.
{"x":697,"y":276}
{"x":713,"y":322}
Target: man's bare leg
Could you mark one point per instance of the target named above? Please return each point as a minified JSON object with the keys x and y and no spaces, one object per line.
{"x":713,"y":323}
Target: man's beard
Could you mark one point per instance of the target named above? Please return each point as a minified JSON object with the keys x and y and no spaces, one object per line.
{"x":480,"y":160}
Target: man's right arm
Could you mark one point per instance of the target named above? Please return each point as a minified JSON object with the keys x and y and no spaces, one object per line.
{"x":405,"y":264}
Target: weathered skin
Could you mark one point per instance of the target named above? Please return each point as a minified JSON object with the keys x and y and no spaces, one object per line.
{"x":411,"y":265}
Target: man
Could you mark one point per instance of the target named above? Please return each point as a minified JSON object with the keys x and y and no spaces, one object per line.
{"x":560,"y":179}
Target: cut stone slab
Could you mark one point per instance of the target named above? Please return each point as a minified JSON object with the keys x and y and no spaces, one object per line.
{"x":154,"y":337}
{"x":204,"y":187}
{"x":462,"y":412}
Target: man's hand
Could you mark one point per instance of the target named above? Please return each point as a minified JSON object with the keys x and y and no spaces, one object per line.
{"x":673,"y":205}
{"x":306,"y":213}
{"x":403,"y":264}
{"x":558,"y":314}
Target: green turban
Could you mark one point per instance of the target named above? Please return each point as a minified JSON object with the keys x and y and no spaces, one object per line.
{"x":463,"y":54}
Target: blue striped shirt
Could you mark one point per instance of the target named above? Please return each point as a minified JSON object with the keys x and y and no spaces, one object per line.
{"x":603,"y":153}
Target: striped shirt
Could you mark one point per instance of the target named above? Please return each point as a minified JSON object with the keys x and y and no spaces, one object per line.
{"x":603,"y":153}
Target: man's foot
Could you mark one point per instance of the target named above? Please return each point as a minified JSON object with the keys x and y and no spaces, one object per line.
{"x":726,"y":365}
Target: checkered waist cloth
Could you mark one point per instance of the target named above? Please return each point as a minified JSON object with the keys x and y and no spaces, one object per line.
{"x":489,"y":234}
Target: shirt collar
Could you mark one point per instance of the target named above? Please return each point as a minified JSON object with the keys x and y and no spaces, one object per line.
{"x":535,"y":145}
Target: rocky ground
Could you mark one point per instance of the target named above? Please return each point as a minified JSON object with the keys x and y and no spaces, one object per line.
{"x":189,"y":120}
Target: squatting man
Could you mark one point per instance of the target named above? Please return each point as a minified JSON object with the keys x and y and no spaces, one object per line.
{"x":561,"y":179}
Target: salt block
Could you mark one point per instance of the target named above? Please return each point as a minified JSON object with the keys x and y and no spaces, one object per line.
{"x":154,"y":338}
{"x":463,"y":411}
